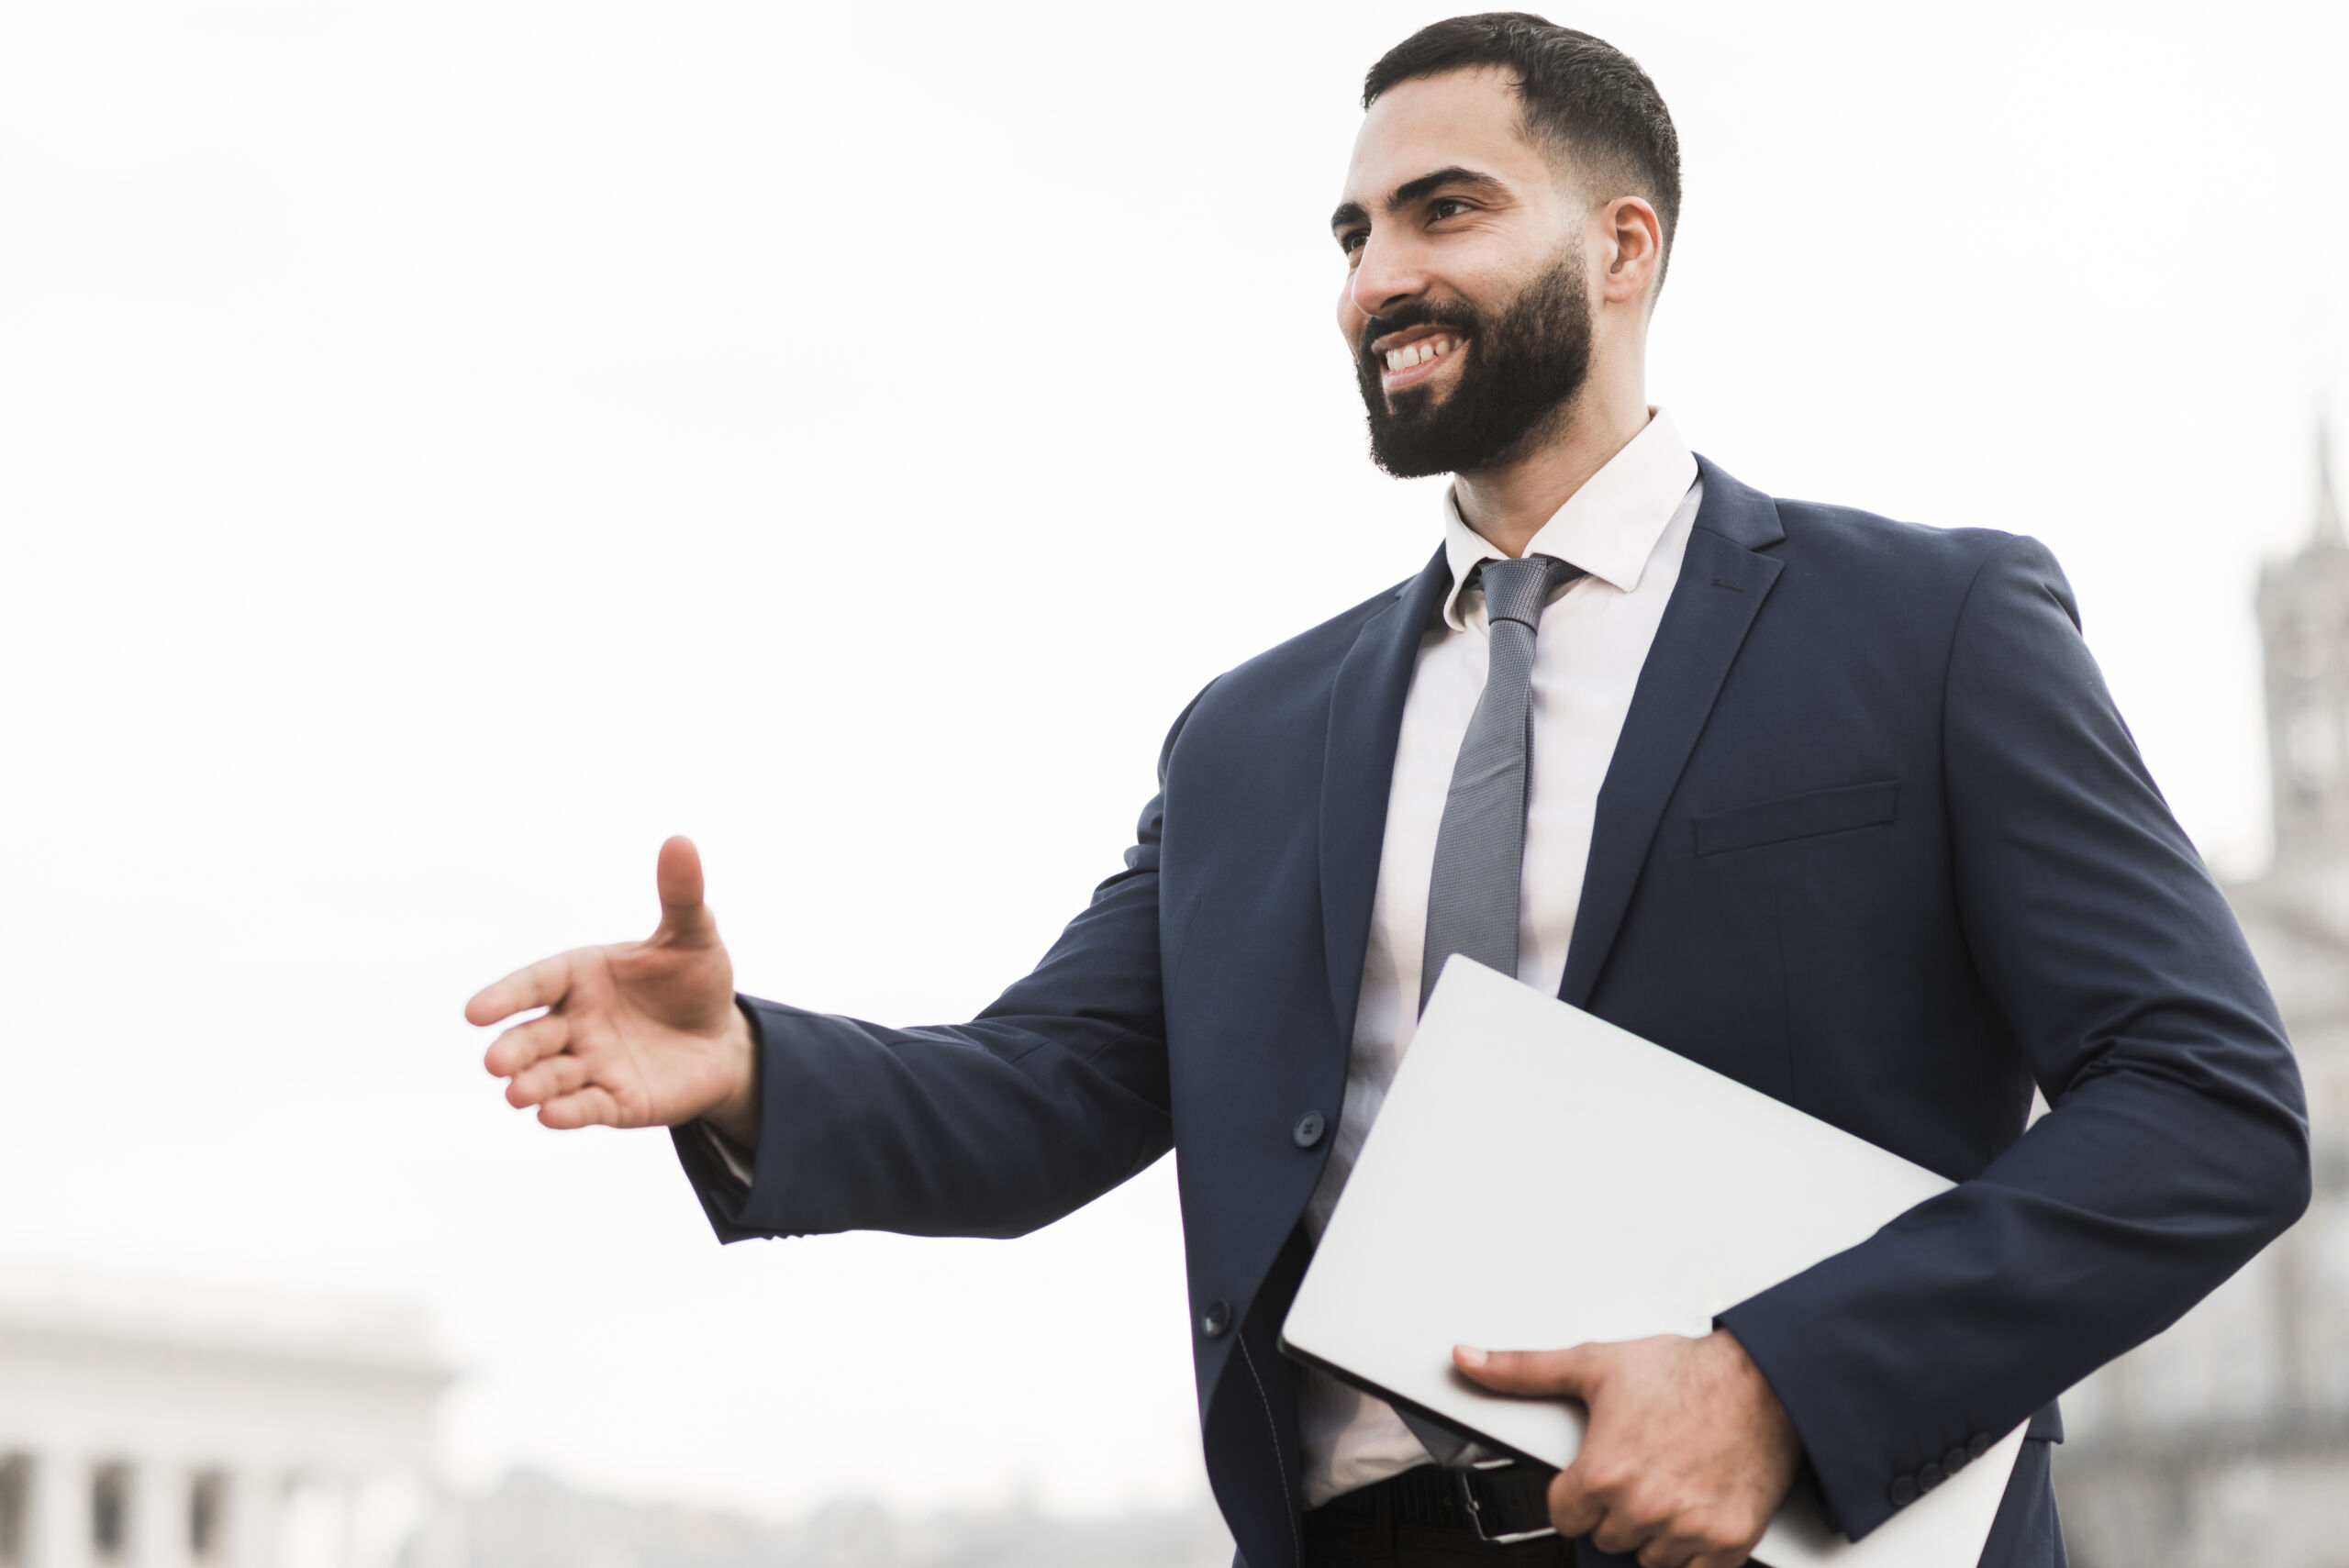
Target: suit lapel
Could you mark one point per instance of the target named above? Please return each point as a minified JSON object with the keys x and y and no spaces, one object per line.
{"x":1358,"y":769}
{"x":1722,"y":586}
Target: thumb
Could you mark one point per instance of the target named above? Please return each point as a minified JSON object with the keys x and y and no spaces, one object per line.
{"x":1572,"y":1372}
{"x":678,"y":875}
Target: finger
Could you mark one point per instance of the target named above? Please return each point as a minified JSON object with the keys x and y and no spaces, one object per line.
{"x":1619,"y":1536}
{"x":1572,"y":1372}
{"x":548,"y":1080}
{"x":588,"y":1107}
{"x":542,"y":984}
{"x":524,"y":1044}
{"x":678,"y":875}
{"x":1664,"y":1552}
{"x":1574,"y":1510}
{"x":1727,"y":1557}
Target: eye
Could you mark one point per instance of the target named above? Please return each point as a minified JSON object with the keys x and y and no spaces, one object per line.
{"x":1353,"y":241}
{"x":1448,"y":206}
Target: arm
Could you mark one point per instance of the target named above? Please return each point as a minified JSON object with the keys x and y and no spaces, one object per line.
{"x":2176,"y":1149}
{"x":1054,"y":1095}
{"x":2176,"y":1145}
{"x":1051,"y":1097}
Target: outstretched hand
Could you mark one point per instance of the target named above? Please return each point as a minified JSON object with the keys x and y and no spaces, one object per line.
{"x":1687,"y":1454}
{"x":635,"y":1034}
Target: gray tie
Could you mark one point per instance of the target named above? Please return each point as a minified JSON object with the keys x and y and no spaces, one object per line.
{"x":1480,"y":847}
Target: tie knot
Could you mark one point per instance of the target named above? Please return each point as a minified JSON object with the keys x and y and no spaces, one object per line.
{"x":1516,"y":590}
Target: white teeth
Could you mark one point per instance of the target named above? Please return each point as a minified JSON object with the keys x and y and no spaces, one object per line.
{"x":1418,"y":353}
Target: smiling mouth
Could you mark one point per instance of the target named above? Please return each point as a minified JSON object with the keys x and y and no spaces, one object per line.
{"x":1416,"y":354}
{"x":1419,"y":353}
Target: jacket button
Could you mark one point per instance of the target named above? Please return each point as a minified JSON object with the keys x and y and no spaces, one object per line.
{"x":1904,"y":1492}
{"x":1929,"y":1476}
{"x":1954,"y":1460}
{"x":1979,"y":1446}
{"x":1309,"y":1129}
{"x":1216,"y":1321}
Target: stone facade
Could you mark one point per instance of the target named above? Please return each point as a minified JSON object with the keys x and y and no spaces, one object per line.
{"x":157,"y":1428}
{"x":532,"y":1521}
{"x":2226,"y":1439}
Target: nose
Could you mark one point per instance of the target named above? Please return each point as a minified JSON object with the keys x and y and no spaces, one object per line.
{"x":1388,"y":273}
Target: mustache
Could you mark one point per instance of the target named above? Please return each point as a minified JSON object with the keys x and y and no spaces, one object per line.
{"x":1461,"y":318}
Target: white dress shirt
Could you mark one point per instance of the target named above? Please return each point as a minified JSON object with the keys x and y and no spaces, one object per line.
{"x":1627,"y":527}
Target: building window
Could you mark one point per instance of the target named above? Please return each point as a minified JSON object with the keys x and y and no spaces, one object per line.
{"x":207,"y":1517}
{"x":2312,"y":744}
{"x":16,"y":1503}
{"x":110,"y":1512}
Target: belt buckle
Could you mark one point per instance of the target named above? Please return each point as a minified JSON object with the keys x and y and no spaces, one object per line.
{"x":1463,"y":1482}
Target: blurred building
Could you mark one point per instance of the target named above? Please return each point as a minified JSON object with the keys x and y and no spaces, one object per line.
{"x":162,"y":1427}
{"x":155,"y":1426}
{"x":2227,"y":1438}
{"x":532,"y":1521}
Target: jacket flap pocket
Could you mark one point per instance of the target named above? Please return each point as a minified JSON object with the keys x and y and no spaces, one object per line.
{"x":1797,"y":817}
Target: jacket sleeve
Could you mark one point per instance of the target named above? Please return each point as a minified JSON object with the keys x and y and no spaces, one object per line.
{"x":2176,"y":1142}
{"x":1053,"y":1096}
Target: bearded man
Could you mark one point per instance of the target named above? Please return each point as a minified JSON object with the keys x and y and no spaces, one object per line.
{"x":1835,"y":806}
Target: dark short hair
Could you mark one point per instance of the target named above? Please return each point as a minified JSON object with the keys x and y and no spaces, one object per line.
{"x":1583,"y":96}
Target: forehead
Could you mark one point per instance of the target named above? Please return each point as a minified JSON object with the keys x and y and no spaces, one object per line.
{"x":1468,"y":119}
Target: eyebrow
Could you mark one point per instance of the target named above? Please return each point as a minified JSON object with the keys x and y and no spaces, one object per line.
{"x":1412,"y":190}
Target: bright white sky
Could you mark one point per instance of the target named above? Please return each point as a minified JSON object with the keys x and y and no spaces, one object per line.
{"x":446,"y":447}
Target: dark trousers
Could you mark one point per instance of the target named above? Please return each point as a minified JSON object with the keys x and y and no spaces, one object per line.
{"x":1419,"y":1546}
{"x":1363,"y":1531}
{"x":1413,"y":1520}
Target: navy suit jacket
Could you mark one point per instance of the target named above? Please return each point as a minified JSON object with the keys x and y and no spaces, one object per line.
{"x":1874,"y":841}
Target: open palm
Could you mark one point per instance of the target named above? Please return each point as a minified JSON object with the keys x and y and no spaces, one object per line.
{"x":635,"y":1034}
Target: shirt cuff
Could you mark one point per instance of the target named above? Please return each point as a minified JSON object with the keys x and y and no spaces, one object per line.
{"x":737,"y":1160}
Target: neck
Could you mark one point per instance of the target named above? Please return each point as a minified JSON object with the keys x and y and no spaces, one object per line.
{"x":1507,"y":503}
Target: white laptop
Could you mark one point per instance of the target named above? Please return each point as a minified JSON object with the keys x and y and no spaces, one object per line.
{"x":1539,"y":1178}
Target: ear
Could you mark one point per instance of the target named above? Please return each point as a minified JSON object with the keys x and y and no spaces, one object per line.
{"x":1630,"y":249}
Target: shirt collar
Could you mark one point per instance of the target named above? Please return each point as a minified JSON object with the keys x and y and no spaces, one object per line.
{"x":1609,"y":528}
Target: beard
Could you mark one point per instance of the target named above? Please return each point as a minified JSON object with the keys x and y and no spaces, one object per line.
{"x":1522,"y":368}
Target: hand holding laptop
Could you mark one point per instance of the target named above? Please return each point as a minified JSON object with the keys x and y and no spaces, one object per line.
{"x":1688,"y":1452}
{"x":1664,"y":1432}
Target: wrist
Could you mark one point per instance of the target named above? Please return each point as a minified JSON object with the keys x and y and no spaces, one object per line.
{"x":1770,"y":1412}
{"x":736,"y":1112}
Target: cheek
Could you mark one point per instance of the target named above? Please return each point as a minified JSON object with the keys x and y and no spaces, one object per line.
{"x":1350,"y":321}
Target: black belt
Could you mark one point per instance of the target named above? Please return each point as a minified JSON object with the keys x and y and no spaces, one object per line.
{"x":1501,"y":1501}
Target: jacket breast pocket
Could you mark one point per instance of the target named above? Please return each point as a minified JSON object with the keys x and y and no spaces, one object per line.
{"x":1807,"y":816}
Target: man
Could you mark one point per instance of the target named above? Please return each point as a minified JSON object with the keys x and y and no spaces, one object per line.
{"x":1837,"y":806}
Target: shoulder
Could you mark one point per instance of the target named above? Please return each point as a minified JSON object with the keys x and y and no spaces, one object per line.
{"x":1255,"y":733}
{"x":1302,"y":667}
{"x":1911,"y":567}
{"x":1863,"y":545}
{"x":1863,"y":563}
{"x":1328,"y":643}
{"x":1873,"y":584}
{"x":1848,"y":544}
